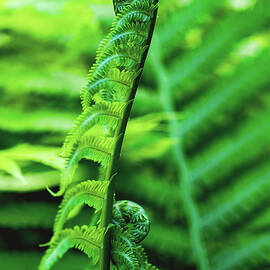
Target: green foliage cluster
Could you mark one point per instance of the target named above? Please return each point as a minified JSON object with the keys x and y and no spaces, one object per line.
{"x":196,"y":151}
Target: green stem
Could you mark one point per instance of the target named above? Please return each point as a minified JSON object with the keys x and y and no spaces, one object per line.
{"x":113,"y":165}
{"x":184,"y":180}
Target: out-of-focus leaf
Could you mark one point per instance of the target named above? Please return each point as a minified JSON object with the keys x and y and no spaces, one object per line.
{"x":11,"y":167}
{"x":48,"y":156}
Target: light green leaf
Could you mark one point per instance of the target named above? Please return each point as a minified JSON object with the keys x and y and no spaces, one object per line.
{"x":11,"y":167}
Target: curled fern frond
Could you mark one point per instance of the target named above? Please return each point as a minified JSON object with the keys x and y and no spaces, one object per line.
{"x":123,"y":250}
{"x":89,"y":192}
{"x":87,"y":240}
{"x":131,"y":217}
{"x":126,"y":253}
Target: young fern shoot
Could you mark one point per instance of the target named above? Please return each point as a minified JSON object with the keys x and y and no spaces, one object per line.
{"x":106,"y":100}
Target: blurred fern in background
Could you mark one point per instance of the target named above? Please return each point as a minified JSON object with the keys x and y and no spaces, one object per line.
{"x":197,"y":149}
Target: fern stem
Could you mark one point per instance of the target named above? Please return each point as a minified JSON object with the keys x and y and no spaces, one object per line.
{"x":113,"y":165}
{"x":183,"y":171}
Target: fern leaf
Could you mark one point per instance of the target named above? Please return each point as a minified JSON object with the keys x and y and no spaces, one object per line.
{"x":226,"y":96}
{"x":97,"y":149}
{"x":231,"y":151}
{"x":121,"y":52}
{"x":232,"y":205}
{"x":183,"y":20}
{"x":87,"y":240}
{"x":246,"y":254}
{"x":123,"y":250}
{"x":107,"y":114}
{"x":91,"y":193}
{"x":218,"y":44}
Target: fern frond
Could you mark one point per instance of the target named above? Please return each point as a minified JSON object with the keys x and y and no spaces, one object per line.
{"x":87,"y":240}
{"x":246,"y":81}
{"x":122,"y":52}
{"x":189,"y":202}
{"x":131,"y":217}
{"x":123,"y":250}
{"x":113,"y":78}
{"x":107,"y":114}
{"x":231,"y":151}
{"x":218,"y":44}
{"x":89,"y":192}
{"x":182,"y":21}
{"x":236,"y":202}
{"x":246,"y":254}
{"x":97,"y":149}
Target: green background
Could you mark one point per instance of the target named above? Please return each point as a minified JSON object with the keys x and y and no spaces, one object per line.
{"x":196,"y":152}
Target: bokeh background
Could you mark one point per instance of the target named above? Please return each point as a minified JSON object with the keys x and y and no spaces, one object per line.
{"x":196,"y":153}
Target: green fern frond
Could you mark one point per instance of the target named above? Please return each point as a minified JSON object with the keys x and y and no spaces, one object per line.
{"x":97,"y":149}
{"x":92,"y":193}
{"x":246,"y":254}
{"x":123,"y":250}
{"x":246,"y":81}
{"x":237,"y":201}
{"x":87,"y":240}
{"x":231,"y":151}
{"x":183,"y":20}
{"x":122,"y":50}
{"x":218,"y":44}
{"x":107,"y":114}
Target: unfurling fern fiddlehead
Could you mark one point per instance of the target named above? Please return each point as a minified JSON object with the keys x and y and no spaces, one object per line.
{"x":131,"y":226}
{"x":98,"y":135}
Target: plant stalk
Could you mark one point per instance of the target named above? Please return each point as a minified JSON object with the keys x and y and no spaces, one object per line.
{"x":112,"y":168}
